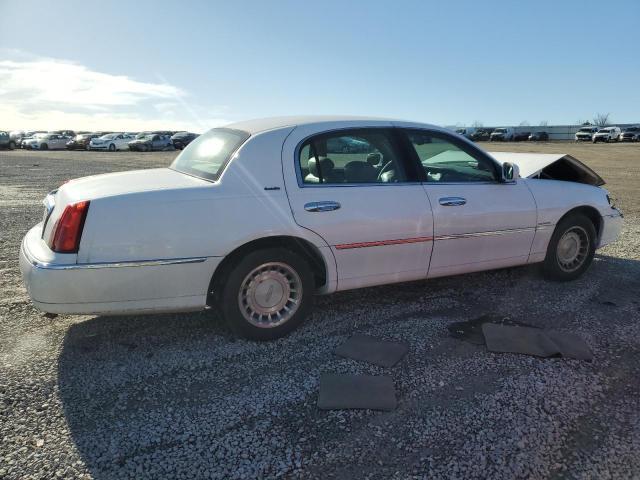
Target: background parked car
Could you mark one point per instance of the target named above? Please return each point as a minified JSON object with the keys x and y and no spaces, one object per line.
{"x":182,"y":139}
{"x":17,"y":136}
{"x":29,"y":135}
{"x":111,"y":142}
{"x":6,"y":141}
{"x":539,"y":137}
{"x":607,"y":134}
{"x":585,"y":134}
{"x":47,"y":141}
{"x":481,"y":135}
{"x":521,"y":136}
{"x":151,"y":142}
{"x":630,"y":134}
{"x":466,"y":131}
{"x":81,"y":141}
{"x":502,"y":134}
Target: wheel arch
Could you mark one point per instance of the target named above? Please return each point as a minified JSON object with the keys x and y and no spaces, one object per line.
{"x":302,"y":247}
{"x":591,"y":213}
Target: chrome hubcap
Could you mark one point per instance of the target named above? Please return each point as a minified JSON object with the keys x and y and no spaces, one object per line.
{"x":573,"y":248}
{"x":270,"y":295}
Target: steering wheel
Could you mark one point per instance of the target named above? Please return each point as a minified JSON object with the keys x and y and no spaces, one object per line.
{"x":388,"y":167}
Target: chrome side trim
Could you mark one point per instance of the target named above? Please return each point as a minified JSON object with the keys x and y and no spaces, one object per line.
{"x":484,"y":234}
{"x":137,"y":263}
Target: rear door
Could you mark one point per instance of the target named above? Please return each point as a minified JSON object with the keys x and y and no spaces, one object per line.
{"x":479,"y":222}
{"x":355,"y":188}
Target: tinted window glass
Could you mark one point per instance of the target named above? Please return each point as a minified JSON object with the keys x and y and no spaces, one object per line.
{"x":444,"y":161}
{"x":207,"y":155}
{"x":351,"y":156}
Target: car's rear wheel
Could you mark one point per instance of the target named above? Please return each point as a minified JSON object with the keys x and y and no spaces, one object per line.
{"x":112,"y":148}
{"x":267,"y":294}
{"x":12,"y":145}
{"x":44,"y":146}
{"x":571,"y":248}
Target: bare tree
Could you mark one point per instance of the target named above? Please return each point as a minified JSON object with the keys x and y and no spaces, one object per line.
{"x":524,"y":123}
{"x":477,"y":124}
{"x":601,"y":119}
{"x":544,"y":123}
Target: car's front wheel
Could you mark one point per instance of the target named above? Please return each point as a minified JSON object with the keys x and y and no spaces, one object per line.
{"x":12,"y":145}
{"x":112,"y":148}
{"x":571,"y":248}
{"x":267,"y":294}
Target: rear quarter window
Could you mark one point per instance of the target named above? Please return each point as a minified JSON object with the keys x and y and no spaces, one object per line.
{"x":207,"y":156}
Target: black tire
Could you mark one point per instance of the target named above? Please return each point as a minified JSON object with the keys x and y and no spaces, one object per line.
{"x":233,"y":291}
{"x":112,"y":148}
{"x":579,"y":226}
{"x":12,"y":145}
{"x":44,"y":146}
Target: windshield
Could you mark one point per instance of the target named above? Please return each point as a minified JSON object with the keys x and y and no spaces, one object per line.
{"x":208,"y":154}
{"x":587,"y":129}
{"x":110,"y":136}
{"x":603,"y":130}
{"x":500,"y":130}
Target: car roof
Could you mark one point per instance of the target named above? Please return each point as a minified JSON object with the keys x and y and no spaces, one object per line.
{"x":335,"y":121}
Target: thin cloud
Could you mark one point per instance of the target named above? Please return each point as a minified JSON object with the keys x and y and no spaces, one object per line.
{"x":52,"y":93}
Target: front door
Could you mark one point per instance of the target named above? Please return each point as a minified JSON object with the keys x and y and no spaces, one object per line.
{"x":479,"y":222}
{"x":353,"y":188}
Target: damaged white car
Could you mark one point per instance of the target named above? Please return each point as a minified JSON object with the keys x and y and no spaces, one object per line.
{"x":257,"y":217}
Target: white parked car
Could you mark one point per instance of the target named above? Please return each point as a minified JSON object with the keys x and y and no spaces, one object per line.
{"x":261,"y":215}
{"x":585,"y":134}
{"x":46,"y":141}
{"x":111,"y":142}
{"x":503,"y":134}
{"x":607,"y":134}
{"x":466,"y":131}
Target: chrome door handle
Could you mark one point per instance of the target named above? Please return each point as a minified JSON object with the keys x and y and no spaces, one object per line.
{"x":325,"y":206}
{"x":452,"y":201}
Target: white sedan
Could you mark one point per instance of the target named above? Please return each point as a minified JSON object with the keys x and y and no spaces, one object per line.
{"x":111,"y":142}
{"x":46,"y":141}
{"x":261,"y":215}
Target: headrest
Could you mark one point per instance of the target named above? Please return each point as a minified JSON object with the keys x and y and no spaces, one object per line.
{"x":373,"y":159}
{"x":359,"y":172}
{"x":326,"y":165}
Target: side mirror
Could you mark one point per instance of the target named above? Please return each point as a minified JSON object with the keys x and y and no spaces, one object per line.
{"x":510,"y":172}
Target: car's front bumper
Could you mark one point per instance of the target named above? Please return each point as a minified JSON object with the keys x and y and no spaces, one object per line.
{"x":611,"y":227}
{"x":63,"y":286}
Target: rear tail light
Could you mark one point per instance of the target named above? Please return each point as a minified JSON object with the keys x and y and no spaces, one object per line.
{"x":68,"y":229}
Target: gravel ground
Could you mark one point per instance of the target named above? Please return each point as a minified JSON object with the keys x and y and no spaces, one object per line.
{"x":177,"y":396}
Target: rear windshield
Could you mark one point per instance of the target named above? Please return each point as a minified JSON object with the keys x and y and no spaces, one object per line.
{"x":207,"y":155}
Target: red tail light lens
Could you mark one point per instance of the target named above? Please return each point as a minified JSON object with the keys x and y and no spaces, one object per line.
{"x":68,"y":230}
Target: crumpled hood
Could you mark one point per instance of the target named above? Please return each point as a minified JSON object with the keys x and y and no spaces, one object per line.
{"x":555,"y":166}
{"x":111,"y":184}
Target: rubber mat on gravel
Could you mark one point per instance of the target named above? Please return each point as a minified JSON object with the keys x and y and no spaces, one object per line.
{"x":339,"y":392}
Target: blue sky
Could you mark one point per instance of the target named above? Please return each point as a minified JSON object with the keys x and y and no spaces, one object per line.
{"x":197,"y":64}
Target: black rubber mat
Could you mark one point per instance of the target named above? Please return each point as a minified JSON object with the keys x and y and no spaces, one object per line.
{"x":340,"y":392}
{"x":471,"y":330}
{"x":535,"y":341}
{"x":525,"y":340}
{"x":373,"y":350}
{"x":570,"y":345}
